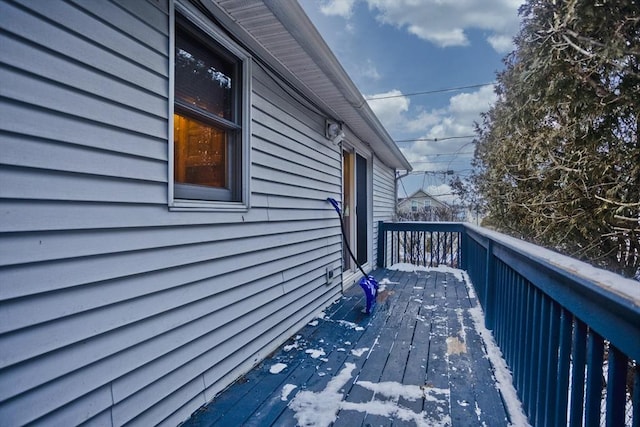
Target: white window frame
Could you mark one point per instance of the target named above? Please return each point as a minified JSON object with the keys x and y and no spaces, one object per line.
{"x":200,"y":21}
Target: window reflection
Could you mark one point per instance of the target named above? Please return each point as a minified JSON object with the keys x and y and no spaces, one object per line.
{"x":203,"y":79}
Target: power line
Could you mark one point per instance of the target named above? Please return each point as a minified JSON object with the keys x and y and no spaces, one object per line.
{"x":437,"y":139}
{"x":455,"y":172}
{"x":452,"y":153}
{"x":426,"y":92}
{"x":437,"y":162}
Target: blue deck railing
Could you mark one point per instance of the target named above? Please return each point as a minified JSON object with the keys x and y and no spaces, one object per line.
{"x":569,"y":332}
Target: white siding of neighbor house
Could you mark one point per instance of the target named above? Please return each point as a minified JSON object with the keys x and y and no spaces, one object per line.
{"x":113,"y":309}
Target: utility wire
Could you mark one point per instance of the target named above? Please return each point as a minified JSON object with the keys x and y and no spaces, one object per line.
{"x":426,"y":92}
{"x":437,"y":139}
{"x":453,"y":153}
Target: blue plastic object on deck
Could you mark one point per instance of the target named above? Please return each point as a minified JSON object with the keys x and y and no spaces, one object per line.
{"x":370,"y":287}
{"x":367,"y":283}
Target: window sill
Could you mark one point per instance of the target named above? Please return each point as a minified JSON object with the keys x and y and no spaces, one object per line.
{"x":180,"y":205}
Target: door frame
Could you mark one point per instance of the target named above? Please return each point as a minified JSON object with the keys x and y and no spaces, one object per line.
{"x":352,"y":273}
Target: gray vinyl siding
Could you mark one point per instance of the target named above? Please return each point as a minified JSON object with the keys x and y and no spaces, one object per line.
{"x":384,"y":198}
{"x":113,"y":309}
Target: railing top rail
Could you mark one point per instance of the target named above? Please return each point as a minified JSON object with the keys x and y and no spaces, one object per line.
{"x":574,"y":269}
{"x":424,"y":226}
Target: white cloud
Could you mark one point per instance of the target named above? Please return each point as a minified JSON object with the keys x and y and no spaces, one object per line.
{"x":501,"y":43}
{"x":445,"y":23}
{"x":440,"y":37}
{"x":369,"y":70}
{"x":390,"y":111}
{"x":471,"y":104}
{"x":343,"y":8}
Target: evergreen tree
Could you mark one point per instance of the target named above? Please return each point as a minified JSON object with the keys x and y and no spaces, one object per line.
{"x":557,"y":158}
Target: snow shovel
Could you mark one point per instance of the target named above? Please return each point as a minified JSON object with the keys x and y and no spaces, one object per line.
{"x":367,"y":283}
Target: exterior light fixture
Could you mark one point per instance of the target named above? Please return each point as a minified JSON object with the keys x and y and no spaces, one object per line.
{"x":333,"y":132}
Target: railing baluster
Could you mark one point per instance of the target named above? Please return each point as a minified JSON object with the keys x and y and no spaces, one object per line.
{"x":532,"y":368}
{"x":493,"y":291}
{"x":504,"y":311}
{"x":635,"y":398}
{"x":519,"y":330}
{"x":525,"y":342}
{"x":443,"y":260}
{"x":552,"y":364}
{"x":543,"y":356}
{"x":616,"y":387}
{"x":393,"y":247}
{"x":451,"y":239}
{"x":512,"y":321}
{"x":404,"y":254}
{"x":489,"y":288}
{"x":506,"y":307}
{"x":461,"y":243}
{"x":500,"y":290}
{"x":433,"y":251}
{"x":535,"y":359}
{"x":564,"y":355}
{"x":593,"y":393}
{"x":577,"y":373}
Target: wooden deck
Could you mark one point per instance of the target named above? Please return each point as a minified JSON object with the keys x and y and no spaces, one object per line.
{"x":417,"y":360}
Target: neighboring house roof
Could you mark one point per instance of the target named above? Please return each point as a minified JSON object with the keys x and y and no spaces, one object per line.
{"x":420,"y":195}
{"x":283,"y":34}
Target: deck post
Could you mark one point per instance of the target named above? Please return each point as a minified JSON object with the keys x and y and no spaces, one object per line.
{"x":382,"y":245}
{"x":464,"y":250}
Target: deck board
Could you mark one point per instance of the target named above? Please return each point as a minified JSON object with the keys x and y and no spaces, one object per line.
{"x":420,"y":338}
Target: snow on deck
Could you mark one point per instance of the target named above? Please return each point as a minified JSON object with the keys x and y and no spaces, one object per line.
{"x":423,"y":358}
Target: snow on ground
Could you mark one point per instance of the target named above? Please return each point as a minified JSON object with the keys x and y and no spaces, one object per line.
{"x":286,"y":391}
{"x":320,"y":409}
{"x":382,"y":284}
{"x":412,"y":268}
{"x":315,"y":353}
{"x":350,"y":325}
{"x":504,"y":380}
{"x":357,"y":352}
{"x":295,"y":345}
{"x":277,"y":368}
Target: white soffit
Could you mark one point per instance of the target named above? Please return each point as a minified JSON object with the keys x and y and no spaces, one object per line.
{"x":296,"y":49}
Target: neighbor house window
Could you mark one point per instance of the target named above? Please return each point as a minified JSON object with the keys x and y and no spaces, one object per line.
{"x":209,"y":136}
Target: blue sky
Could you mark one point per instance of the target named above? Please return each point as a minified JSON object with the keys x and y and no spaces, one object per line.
{"x":399,"y":47}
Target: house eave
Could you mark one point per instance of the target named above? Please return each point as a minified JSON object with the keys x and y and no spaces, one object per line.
{"x":284,"y":37}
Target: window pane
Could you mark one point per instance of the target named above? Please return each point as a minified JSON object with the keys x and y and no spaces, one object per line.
{"x":203,"y":79}
{"x":200,"y":153}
